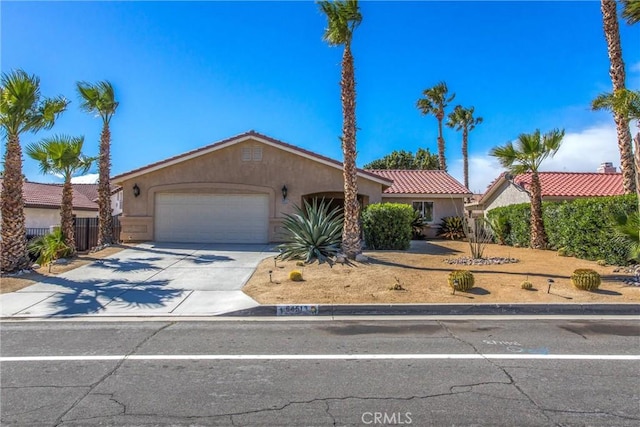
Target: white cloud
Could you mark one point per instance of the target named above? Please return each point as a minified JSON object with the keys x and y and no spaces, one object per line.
{"x":581,"y":151}
{"x":91,"y":178}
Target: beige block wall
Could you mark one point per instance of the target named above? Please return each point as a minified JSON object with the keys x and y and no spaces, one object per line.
{"x":442,"y":207}
{"x":44,"y":218}
{"x":225,"y":171}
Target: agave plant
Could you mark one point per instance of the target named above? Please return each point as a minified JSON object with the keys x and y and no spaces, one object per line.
{"x":49,"y":247}
{"x":499,"y":227}
{"x":417,"y":225}
{"x":452,"y":227}
{"x":312,"y":232}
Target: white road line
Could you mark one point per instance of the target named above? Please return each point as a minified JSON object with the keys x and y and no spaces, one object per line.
{"x":301,"y":357}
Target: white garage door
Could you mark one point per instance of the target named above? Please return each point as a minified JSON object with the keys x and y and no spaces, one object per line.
{"x":212,"y":218}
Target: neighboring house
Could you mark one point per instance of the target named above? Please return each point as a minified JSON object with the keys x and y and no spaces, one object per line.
{"x":556,"y":186}
{"x":42,"y":203}
{"x":239,"y":189}
{"x":434,"y":193}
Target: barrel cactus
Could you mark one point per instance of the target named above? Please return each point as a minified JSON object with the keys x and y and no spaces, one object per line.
{"x":295,"y":276}
{"x":464,"y":280}
{"x":526,"y":285}
{"x":585,"y":279}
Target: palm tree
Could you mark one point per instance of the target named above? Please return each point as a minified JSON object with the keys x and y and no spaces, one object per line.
{"x":526,"y":156}
{"x":462,"y":118}
{"x":631,"y":11}
{"x":617,"y":73}
{"x":21,"y":110}
{"x":434,"y":102}
{"x":343,"y":17}
{"x":99,"y":99}
{"x":62,"y":155}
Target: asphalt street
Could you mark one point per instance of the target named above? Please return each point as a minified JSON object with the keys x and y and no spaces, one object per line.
{"x":482,"y":372}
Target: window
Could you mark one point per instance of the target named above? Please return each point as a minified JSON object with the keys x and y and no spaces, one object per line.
{"x":426,"y":209}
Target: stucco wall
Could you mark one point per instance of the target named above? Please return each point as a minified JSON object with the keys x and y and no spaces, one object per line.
{"x":44,"y":218}
{"x":442,"y":207}
{"x":225,"y":171}
{"x":506,"y":195}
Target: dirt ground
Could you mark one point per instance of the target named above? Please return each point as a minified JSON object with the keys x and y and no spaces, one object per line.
{"x":13,"y":283}
{"x":422,"y":273}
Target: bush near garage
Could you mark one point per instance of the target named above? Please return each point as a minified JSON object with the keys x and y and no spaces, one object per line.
{"x":583,"y":228}
{"x":387,"y":226}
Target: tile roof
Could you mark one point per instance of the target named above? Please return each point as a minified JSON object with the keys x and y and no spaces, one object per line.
{"x":238,"y":138}
{"x":49,"y":196}
{"x":421,"y":182}
{"x":89,"y":190}
{"x":575,"y":184}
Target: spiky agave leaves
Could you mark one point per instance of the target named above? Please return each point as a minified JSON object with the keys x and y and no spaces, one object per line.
{"x":312,"y":232}
{"x":627,"y":229}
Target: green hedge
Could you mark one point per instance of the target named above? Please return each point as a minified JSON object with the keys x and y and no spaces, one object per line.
{"x":387,"y":226}
{"x":582,"y":226}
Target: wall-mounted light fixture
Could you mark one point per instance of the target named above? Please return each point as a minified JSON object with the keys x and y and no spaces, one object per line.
{"x":284,"y":192}
{"x":136,"y":190}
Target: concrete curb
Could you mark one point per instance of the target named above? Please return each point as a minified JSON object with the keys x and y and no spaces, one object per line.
{"x":445,"y":310}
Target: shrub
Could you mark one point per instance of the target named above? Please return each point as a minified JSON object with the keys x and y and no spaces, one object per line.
{"x":499,"y":227}
{"x":313,"y":232}
{"x":49,"y":247}
{"x":627,"y":231}
{"x":417,"y":225}
{"x":527,"y":285}
{"x":563,"y":252}
{"x":478,"y":235}
{"x":387,"y":226}
{"x":464,"y":279}
{"x":295,"y":276}
{"x":585,"y":279}
{"x":452,"y":227}
{"x":601,"y":262}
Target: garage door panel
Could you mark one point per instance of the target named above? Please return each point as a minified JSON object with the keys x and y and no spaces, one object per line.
{"x":212,"y":218}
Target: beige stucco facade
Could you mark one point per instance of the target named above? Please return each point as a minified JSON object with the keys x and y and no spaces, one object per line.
{"x":249,"y":166}
{"x":505,"y":195}
{"x":443,"y":206}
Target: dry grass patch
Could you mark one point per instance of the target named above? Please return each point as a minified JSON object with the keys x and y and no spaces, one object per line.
{"x":15,"y":283}
{"x":422,"y":275}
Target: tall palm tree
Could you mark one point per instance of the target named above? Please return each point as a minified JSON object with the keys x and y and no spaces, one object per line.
{"x":343,"y":17}
{"x":526,"y":156}
{"x":462,"y":118}
{"x":631,"y":11}
{"x":617,"y":73}
{"x":22,"y":109}
{"x":434,"y":102}
{"x":99,"y":99}
{"x":62,"y":155}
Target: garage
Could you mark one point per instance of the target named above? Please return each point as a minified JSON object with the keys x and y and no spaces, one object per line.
{"x":211,"y":218}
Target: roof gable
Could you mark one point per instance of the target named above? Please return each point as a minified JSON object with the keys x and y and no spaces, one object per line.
{"x":251,"y":135}
{"x":434,"y":182}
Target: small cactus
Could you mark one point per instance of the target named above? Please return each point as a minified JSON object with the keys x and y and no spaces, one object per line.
{"x":526,"y":285}
{"x":463,"y":277}
{"x":299,"y":263}
{"x":563,"y":252}
{"x":295,"y":276}
{"x":602,"y":262}
{"x":585,"y":279}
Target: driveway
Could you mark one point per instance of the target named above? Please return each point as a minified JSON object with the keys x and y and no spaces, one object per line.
{"x":150,"y":279}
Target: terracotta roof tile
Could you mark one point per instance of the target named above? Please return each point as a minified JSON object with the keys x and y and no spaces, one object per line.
{"x":421,"y":182}
{"x":576,"y":184}
{"x":38,"y":195}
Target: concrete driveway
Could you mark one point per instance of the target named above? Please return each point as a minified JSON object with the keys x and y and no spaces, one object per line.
{"x":150,"y":279}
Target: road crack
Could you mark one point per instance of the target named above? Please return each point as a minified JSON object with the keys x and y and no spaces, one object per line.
{"x":512,"y":381}
{"x":93,"y":386}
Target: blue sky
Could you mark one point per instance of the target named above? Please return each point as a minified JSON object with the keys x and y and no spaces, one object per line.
{"x":191,"y":73}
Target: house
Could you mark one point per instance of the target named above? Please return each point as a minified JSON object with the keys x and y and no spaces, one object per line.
{"x":556,"y":186}
{"x":42,"y":203}
{"x":434,"y":193}
{"x":239,"y":189}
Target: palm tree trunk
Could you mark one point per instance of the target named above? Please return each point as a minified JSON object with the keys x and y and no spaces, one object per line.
{"x":465,"y":156}
{"x":617,"y":73}
{"x":538,"y":235}
{"x":441,"y":158}
{"x":66,"y":215}
{"x":105,"y":233}
{"x":351,"y":229}
{"x":14,"y":232}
